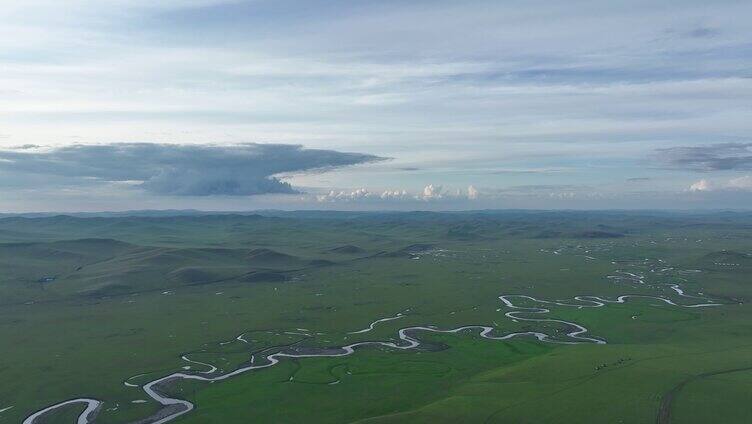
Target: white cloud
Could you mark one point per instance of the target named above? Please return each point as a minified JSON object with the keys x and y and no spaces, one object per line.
{"x":394,"y":194}
{"x":702,"y":185}
{"x":342,"y":195}
{"x":362,"y":194}
{"x":743,"y":183}
{"x":432,"y":192}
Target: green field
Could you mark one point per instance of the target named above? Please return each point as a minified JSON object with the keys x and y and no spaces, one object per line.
{"x":90,"y":303}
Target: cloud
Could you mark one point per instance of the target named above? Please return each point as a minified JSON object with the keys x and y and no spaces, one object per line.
{"x":437,"y":192}
{"x":362,"y":194}
{"x":170,"y":169}
{"x":743,"y":183}
{"x":430,"y":192}
{"x":394,"y":194}
{"x":457,"y":89}
{"x":527,"y":171}
{"x":703,"y":32}
{"x":702,"y":185}
{"x":714,"y":157}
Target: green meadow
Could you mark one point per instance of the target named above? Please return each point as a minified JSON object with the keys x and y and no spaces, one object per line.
{"x":88,"y":304}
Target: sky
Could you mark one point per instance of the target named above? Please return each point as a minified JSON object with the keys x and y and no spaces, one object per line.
{"x":375,"y":105}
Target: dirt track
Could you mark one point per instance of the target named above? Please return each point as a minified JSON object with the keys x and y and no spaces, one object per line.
{"x":664,"y":411}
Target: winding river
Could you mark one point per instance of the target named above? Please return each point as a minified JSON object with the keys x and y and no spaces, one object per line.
{"x":174,"y":407}
{"x":87,"y":416}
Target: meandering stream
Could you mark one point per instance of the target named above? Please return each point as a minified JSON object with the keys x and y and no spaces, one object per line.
{"x":174,"y":407}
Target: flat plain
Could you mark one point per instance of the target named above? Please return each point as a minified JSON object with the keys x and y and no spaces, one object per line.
{"x":336,"y":317}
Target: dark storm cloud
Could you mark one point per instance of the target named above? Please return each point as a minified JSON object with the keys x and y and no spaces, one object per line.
{"x":714,"y":157}
{"x":168,"y":169}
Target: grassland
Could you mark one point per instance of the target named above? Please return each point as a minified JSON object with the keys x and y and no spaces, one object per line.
{"x":86,"y":304}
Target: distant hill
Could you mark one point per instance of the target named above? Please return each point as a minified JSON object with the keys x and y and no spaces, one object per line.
{"x":264,"y":277}
{"x":347,"y":249}
{"x":598,"y":234}
{"x":727,"y":261}
{"x":267,"y":258}
{"x":61,"y":255}
{"x":103,"y":267}
{"x":409,"y":251}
